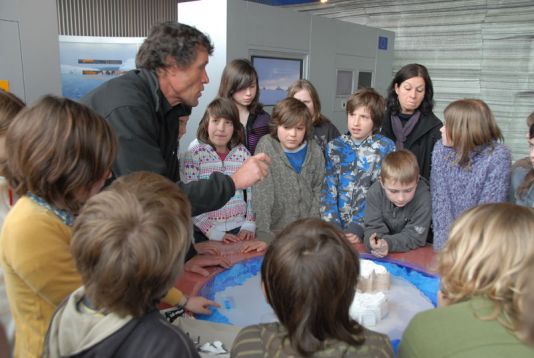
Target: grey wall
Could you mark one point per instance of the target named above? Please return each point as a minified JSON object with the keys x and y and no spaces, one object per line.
{"x":126,"y":18}
{"x":477,"y":48}
{"x":212,"y":22}
{"x":29,"y":56}
{"x":325,"y":44}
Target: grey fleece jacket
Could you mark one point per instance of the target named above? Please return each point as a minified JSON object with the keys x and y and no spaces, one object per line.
{"x":285,"y":196}
{"x":403,"y":228}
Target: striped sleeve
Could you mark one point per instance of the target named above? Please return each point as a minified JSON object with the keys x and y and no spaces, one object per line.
{"x":248,"y":343}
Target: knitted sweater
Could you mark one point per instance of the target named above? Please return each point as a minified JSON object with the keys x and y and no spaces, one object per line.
{"x":285,"y":196}
{"x":456,"y":189}
{"x":350,"y":170}
{"x":39,"y":271}
{"x":198,"y":163}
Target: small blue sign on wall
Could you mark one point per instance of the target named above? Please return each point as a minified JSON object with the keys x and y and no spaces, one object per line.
{"x":382,"y":43}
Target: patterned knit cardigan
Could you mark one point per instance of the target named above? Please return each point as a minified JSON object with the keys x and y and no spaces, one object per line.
{"x":198,"y":163}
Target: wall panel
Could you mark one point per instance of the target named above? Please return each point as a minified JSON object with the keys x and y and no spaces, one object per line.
{"x":473,"y":48}
{"x":117,"y":18}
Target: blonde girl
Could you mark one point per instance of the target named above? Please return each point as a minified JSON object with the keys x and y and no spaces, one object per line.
{"x":484,"y":269}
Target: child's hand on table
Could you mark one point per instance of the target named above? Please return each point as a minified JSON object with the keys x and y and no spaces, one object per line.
{"x":207,"y":248}
{"x":198,"y":263}
{"x":379,"y":247}
{"x":229,"y":238}
{"x":246,"y":235}
{"x":255,"y":245}
{"x":200,"y":305}
{"x":353,"y":238}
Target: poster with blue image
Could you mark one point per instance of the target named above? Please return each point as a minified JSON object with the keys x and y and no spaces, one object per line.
{"x":87,"y":62}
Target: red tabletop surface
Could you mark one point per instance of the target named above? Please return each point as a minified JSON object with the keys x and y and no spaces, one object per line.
{"x":190,"y":283}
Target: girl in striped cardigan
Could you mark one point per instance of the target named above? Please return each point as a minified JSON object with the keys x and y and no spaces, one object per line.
{"x":220,"y":148}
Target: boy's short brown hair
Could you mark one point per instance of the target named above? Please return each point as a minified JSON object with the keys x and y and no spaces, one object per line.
{"x":58,"y":149}
{"x":400,"y":167}
{"x":290,"y":112}
{"x":129,"y":242}
{"x":370,"y":99}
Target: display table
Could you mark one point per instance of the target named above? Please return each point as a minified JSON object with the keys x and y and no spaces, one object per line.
{"x":190,"y":283}
{"x":423,"y":260}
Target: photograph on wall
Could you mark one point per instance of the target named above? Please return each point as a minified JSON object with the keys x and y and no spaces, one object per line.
{"x":87,"y":62}
{"x":275,"y":75}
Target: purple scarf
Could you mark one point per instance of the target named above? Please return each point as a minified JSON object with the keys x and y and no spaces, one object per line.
{"x":402,"y":132}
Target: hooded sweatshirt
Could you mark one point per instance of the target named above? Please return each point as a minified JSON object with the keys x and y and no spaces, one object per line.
{"x":74,"y":332}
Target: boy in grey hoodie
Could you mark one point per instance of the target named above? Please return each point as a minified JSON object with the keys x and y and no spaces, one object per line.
{"x":398,"y":211}
{"x":129,"y":244}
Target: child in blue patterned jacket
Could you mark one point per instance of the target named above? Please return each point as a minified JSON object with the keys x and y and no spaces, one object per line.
{"x":220,"y":148}
{"x":353,"y":162}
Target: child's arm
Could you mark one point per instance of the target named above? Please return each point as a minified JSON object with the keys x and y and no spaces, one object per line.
{"x":374,"y":220}
{"x":205,"y":224}
{"x":195,"y":304}
{"x":329,"y":209}
{"x":386,"y":146}
{"x":318,"y":180}
{"x":45,"y":265}
{"x":379,"y":246}
{"x":497,"y":179}
{"x":250,"y":218}
{"x":189,"y":168}
{"x":441,"y":213}
{"x":263,"y":193}
{"x":263,"y":202}
{"x":190,"y":172}
{"x":254,"y":245}
{"x":248,"y":229}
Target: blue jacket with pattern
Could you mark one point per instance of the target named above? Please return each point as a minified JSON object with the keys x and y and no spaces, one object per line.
{"x":350,"y":170}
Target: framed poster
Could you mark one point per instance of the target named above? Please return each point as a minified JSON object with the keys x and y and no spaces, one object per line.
{"x":87,"y":62}
{"x":275,"y":75}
